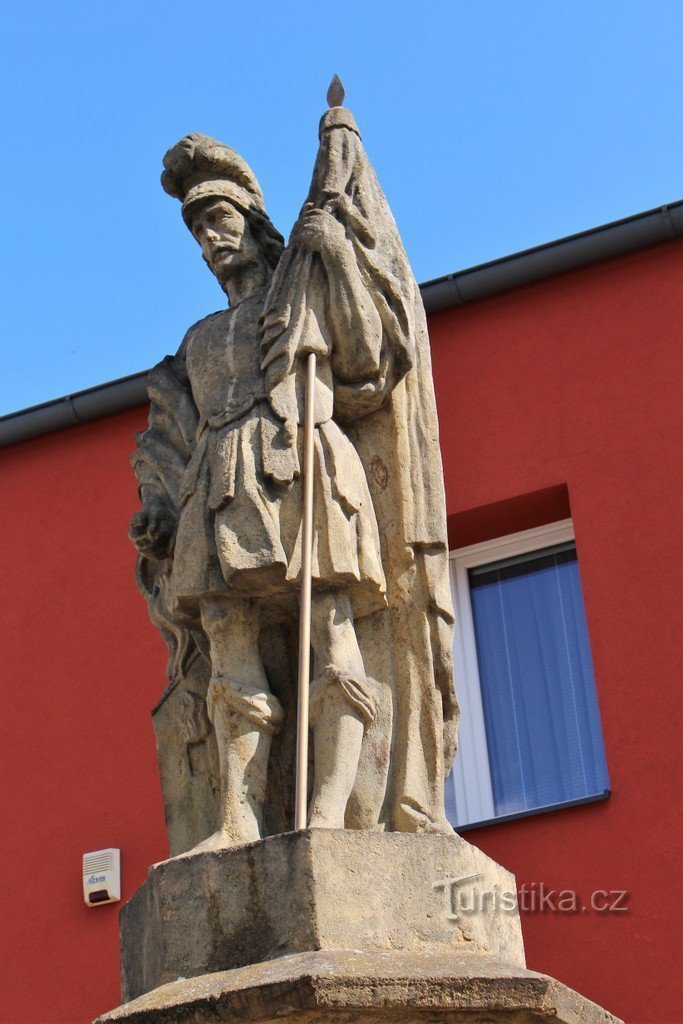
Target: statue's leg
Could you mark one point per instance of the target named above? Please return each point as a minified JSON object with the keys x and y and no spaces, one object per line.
{"x":244,"y":714}
{"x":341,"y":706}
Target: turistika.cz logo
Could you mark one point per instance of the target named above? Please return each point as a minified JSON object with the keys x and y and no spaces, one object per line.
{"x":464,"y":897}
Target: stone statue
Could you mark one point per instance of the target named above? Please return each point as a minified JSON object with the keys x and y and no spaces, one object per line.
{"x":349,"y":919}
{"x":220,"y":529}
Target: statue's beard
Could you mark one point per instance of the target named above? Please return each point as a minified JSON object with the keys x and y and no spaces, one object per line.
{"x":226,"y":256}
{"x":226,"y":265}
{"x":236,"y":265}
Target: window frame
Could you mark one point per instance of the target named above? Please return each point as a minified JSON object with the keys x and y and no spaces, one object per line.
{"x":471,"y":777}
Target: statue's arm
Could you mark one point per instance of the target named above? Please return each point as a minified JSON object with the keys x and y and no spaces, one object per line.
{"x":354,"y":321}
{"x":153,"y":527}
{"x":162,"y":453}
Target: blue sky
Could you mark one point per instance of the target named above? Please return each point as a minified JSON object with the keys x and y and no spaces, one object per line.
{"x":494,"y":125}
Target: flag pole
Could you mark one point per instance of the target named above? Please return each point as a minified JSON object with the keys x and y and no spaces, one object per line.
{"x":335,"y":97}
{"x":301,"y":785}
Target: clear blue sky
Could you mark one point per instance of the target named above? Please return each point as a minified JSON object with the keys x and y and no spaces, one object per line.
{"x":494,"y":125}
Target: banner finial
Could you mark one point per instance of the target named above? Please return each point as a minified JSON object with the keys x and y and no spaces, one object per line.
{"x":335,"y":93}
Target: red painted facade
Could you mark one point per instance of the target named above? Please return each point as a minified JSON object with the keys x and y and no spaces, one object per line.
{"x":558,"y":398}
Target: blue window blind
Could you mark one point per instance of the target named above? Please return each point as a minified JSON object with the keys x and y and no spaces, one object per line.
{"x":538,"y":689}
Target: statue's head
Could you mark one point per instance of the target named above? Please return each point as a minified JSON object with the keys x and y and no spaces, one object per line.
{"x":222,"y":207}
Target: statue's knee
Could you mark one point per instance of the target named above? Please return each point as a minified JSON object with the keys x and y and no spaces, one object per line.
{"x":244,"y":701}
{"x":345,"y":691}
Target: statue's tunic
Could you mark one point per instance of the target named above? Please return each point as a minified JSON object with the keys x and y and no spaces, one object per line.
{"x":240,"y":527}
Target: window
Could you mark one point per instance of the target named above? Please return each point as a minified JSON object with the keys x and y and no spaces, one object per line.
{"x":530,"y":736}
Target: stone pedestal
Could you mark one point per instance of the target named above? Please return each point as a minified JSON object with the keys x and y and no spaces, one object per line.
{"x":334,"y":926}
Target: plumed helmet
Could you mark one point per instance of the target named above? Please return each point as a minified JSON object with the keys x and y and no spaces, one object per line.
{"x":199,"y":168}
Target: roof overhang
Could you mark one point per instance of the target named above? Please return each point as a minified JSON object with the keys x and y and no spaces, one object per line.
{"x":614,"y":239}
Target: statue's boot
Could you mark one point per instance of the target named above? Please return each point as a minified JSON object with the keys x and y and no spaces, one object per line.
{"x":244,"y":719}
{"x":342,"y":707}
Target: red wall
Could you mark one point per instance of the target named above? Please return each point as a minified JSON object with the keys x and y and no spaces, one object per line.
{"x":577,"y":381}
{"x":82,"y":667}
{"x":564,"y":391}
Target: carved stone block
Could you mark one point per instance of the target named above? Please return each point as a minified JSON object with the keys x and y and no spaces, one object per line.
{"x":317,"y":889}
{"x":345,"y":987}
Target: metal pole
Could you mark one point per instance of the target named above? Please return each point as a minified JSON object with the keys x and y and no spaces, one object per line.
{"x":301,"y":785}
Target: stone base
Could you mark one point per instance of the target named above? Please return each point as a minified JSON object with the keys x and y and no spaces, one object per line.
{"x":334,"y":926}
{"x":315,"y":889}
{"x":343,"y":987}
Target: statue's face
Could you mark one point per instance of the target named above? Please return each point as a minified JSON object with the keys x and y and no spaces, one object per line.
{"x":226,"y":239}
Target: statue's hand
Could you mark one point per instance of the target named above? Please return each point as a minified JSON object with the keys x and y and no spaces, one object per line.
{"x":320,"y":232}
{"x":152,"y":528}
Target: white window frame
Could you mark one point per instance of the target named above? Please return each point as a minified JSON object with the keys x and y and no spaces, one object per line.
{"x":471,"y":774}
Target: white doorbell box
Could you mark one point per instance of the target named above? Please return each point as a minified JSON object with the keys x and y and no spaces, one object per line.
{"x":101,"y":877}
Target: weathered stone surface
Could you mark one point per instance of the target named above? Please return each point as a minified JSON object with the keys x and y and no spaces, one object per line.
{"x":188,"y":756}
{"x":188,"y":759}
{"x":317,"y":889}
{"x":220,"y":528}
{"x":347,"y":987}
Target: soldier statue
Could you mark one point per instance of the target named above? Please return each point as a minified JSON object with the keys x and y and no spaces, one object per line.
{"x":220,"y":473}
